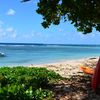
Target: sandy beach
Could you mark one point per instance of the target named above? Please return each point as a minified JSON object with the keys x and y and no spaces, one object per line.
{"x":77,"y":85}
{"x":70,"y":67}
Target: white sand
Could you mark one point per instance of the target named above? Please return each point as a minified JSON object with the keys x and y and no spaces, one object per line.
{"x":70,"y":67}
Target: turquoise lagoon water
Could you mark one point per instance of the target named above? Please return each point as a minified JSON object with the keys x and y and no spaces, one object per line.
{"x":25,"y":54}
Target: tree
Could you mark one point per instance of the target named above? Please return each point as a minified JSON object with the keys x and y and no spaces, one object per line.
{"x":83,"y":14}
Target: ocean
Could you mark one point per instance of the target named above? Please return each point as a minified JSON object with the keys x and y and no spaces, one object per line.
{"x":17,"y":54}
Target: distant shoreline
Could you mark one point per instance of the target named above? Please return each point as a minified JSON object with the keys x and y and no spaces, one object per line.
{"x":49,"y":44}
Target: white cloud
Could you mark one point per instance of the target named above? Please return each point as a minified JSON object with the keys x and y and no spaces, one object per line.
{"x":81,"y":35}
{"x":2,"y":35}
{"x":11,"y":12}
{"x":33,"y":34}
{"x":14,"y":35}
{"x":10,"y":30}
{"x":2,"y":32}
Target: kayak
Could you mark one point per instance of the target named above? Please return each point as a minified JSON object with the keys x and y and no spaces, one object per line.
{"x":87,"y":70}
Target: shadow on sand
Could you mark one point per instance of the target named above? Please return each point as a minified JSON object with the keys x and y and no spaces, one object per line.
{"x":75,"y":88}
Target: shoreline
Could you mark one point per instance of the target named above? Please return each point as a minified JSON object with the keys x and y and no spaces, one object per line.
{"x":65,"y":61}
{"x":65,"y":68}
{"x":75,"y":85}
{"x":61,"y":61}
{"x":69,"y":67}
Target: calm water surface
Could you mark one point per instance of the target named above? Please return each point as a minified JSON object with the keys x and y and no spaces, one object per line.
{"x":41,"y":54}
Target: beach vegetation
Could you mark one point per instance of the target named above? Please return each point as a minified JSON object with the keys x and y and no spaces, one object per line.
{"x":83,"y":14}
{"x":23,"y":83}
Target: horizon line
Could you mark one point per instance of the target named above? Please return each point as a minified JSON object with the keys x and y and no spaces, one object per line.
{"x":19,"y":43}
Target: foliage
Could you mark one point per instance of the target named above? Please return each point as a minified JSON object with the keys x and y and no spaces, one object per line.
{"x":83,"y":14}
{"x":21,"y":83}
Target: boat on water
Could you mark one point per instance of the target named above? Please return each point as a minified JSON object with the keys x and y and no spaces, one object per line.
{"x":2,"y":54}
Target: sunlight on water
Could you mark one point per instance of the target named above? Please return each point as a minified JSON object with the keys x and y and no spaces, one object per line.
{"x":41,"y":54}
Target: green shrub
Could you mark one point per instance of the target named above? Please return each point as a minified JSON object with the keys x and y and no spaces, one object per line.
{"x":21,"y":83}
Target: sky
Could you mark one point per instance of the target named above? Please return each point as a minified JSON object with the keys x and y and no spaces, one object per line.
{"x":19,"y":23}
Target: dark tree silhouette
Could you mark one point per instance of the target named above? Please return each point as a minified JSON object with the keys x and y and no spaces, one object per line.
{"x":83,"y":14}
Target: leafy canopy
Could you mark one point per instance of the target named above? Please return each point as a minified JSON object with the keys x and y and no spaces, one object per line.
{"x":83,"y":14}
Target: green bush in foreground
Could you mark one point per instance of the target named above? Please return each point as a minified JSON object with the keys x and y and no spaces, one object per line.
{"x":21,"y":83}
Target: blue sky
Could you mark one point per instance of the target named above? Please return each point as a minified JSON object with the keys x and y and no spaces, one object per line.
{"x":20,"y":23}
